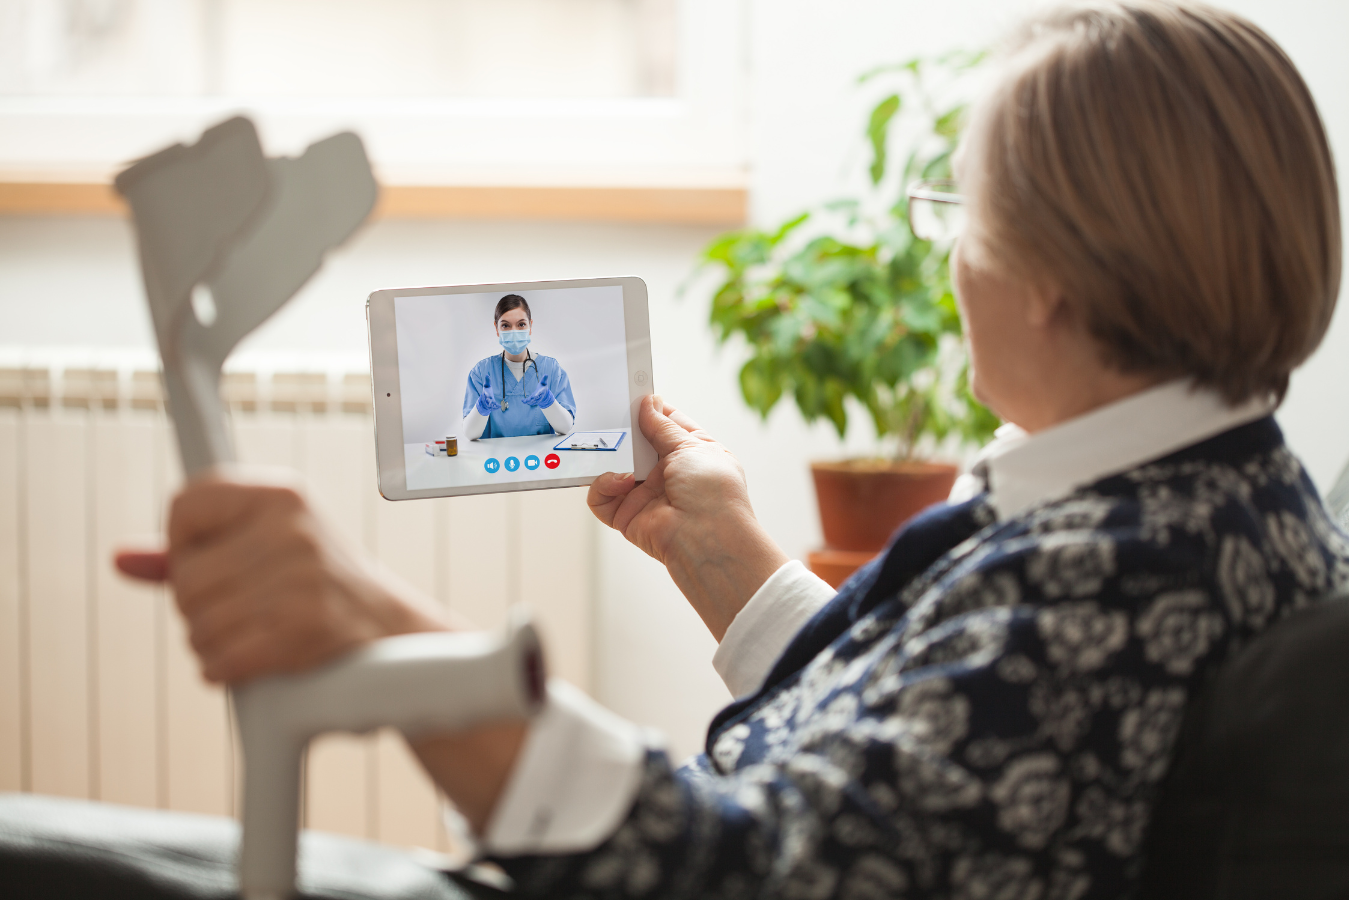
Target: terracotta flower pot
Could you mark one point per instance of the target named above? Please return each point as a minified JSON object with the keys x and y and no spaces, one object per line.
{"x":862,"y":501}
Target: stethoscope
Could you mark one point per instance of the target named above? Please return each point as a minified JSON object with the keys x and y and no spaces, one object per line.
{"x":505,"y":404}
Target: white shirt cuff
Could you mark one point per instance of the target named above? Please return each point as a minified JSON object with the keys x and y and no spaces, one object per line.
{"x":766,"y":625}
{"x":558,"y":417}
{"x":575,"y":781}
{"x":473,"y":426}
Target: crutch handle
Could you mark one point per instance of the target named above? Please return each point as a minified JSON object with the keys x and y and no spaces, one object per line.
{"x":417,"y":683}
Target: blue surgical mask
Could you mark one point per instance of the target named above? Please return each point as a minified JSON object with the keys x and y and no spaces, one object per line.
{"x":514,"y":341}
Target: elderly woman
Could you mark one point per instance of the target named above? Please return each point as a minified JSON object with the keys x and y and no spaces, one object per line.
{"x":987,"y":709}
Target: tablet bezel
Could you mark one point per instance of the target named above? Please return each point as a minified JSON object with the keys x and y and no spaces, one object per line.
{"x":388,"y":406}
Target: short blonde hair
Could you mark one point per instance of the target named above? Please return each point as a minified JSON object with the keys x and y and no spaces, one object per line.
{"x":1164,"y":166}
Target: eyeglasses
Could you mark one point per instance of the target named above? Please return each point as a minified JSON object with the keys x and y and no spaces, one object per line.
{"x":936,"y":211}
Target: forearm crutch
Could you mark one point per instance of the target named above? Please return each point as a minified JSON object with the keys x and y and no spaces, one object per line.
{"x":219,"y":216}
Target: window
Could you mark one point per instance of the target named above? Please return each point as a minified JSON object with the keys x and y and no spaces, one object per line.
{"x":442,"y":91}
{"x":339,"y":48}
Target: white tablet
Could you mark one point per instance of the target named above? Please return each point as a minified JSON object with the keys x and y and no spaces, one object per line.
{"x":481,"y":388}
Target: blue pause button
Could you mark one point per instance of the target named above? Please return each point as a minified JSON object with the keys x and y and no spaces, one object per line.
{"x":491,"y":465}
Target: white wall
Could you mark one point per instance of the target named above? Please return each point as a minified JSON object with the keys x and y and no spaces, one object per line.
{"x":73,"y":281}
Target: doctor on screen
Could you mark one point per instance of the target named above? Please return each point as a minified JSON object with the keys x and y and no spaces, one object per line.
{"x":517,"y":392}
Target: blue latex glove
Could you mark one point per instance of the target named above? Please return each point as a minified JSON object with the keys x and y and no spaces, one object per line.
{"x":542,"y":398}
{"x":487,"y":401}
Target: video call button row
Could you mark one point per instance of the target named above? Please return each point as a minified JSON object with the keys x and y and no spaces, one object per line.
{"x":493,"y":465}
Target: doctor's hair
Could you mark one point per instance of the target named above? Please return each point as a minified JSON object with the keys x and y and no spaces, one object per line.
{"x":510,"y":302}
{"x":1163,"y":165}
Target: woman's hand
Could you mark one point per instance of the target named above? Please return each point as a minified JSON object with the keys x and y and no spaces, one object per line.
{"x":487,"y":401}
{"x":542,"y":398}
{"x":693,"y":514}
{"x":265,"y":587}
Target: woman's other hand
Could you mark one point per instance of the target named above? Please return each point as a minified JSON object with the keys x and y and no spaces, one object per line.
{"x":265,"y":587}
{"x":542,"y":398}
{"x":487,"y":401}
{"x":693,"y":514}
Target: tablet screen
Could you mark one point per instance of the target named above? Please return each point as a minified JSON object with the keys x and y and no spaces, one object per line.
{"x":513,"y":386}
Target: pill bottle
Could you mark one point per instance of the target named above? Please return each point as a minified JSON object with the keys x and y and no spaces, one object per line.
{"x":451,"y":445}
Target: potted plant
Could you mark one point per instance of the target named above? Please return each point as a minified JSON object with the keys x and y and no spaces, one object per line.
{"x":845,"y":302}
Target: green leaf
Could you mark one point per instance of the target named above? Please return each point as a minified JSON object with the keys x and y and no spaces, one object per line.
{"x":760,"y":385}
{"x":906,"y":356}
{"x":919,"y":314}
{"x":834,"y":408}
{"x":961,"y":60}
{"x":938,"y":166}
{"x":878,"y":128}
{"x":719,"y":251}
{"x":848,"y":207}
{"x":907,"y":66}
{"x":787,"y":228}
{"x":786,"y":332}
{"x":809,"y":394}
{"x":948,"y":123}
{"x":823,"y":310}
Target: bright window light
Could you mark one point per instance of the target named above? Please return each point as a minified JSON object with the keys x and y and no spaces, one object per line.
{"x":503,"y":92}
{"x":338,"y":48}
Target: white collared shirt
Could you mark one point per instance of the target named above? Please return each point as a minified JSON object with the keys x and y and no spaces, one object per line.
{"x":1023,"y":469}
{"x":579,"y":772}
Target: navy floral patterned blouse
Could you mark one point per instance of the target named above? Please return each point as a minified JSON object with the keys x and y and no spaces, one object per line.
{"x":987,"y":710}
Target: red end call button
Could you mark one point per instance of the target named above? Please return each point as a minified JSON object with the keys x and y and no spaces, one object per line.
{"x":552,"y":460}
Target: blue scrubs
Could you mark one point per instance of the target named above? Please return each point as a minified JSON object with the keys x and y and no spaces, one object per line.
{"x":521,"y":418}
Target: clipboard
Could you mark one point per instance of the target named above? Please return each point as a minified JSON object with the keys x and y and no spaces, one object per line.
{"x":592,"y":440}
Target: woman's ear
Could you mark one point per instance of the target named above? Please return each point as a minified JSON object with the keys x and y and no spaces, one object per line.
{"x":1046,"y":305}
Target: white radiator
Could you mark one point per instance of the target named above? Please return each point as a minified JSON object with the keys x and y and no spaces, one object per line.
{"x":99,"y":694}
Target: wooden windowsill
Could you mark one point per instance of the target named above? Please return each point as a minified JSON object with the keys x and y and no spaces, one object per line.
{"x":725,"y":206}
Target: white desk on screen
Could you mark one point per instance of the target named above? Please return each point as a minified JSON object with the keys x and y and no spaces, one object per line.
{"x":471,"y":466}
